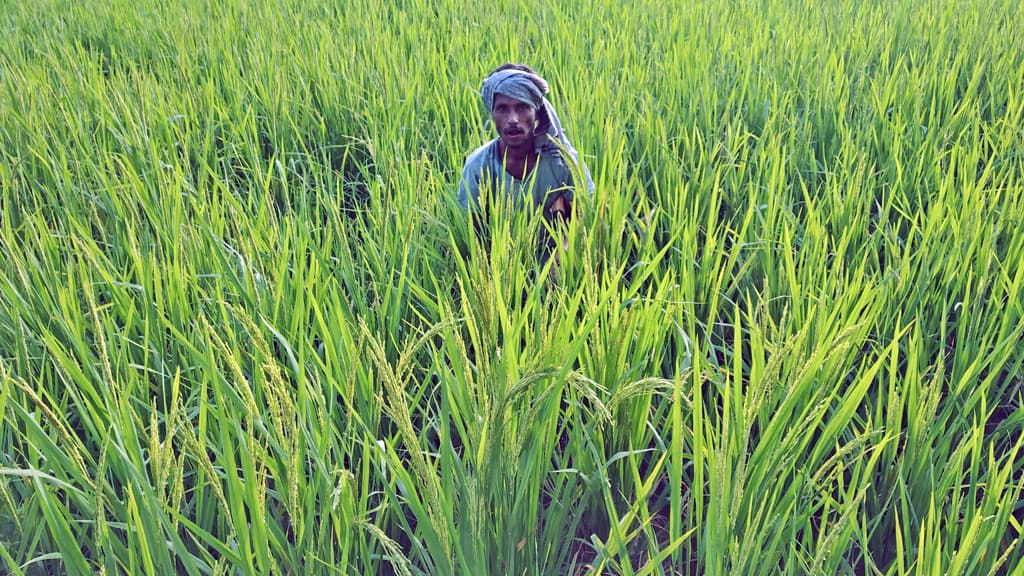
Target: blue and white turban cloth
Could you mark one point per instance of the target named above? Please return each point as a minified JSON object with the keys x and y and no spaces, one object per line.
{"x":529,"y":88}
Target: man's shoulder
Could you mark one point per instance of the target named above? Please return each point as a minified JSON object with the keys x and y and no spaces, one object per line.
{"x":478,"y":163}
{"x":482,"y":155}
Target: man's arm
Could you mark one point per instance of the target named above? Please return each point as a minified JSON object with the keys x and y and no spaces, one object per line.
{"x":469,"y":190}
{"x":560,"y":206}
{"x":469,"y":196}
{"x":586,"y":174}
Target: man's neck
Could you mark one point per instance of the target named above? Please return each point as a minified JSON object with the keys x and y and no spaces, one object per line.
{"x":518,"y":161}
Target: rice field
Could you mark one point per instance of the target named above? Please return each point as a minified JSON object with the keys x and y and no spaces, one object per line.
{"x":245,"y":328}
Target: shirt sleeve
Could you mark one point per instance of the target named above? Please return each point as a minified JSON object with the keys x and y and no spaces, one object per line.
{"x":472,"y":175}
{"x":469,"y":187}
{"x":583,"y":168}
{"x":586,"y":174}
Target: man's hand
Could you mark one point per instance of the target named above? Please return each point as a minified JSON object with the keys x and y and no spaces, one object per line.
{"x":561,"y":211}
{"x":560,"y":208}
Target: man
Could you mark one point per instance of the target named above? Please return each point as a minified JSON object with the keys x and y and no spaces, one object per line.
{"x":530,"y":159}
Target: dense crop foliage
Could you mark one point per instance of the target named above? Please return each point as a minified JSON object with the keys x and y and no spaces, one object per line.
{"x":244,"y":328}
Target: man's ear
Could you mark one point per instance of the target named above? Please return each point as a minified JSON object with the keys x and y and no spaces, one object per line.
{"x":543,"y":123}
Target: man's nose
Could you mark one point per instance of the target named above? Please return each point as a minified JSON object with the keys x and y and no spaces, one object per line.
{"x":514,"y":117}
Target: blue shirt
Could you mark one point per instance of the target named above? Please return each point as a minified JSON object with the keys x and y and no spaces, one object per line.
{"x":485,"y":169}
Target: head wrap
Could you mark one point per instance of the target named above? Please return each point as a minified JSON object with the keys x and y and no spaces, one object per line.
{"x":529,"y":88}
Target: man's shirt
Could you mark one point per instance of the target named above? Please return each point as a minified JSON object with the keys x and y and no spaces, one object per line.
{"x":485,"y":169}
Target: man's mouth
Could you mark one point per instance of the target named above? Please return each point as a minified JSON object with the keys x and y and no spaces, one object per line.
{"x":514,"y":131}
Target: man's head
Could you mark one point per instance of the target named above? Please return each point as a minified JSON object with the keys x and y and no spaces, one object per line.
{"x":514,"y":95}
{"x":536,"y":78}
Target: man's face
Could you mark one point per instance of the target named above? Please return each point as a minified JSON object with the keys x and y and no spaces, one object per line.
{"x":514,"y":121}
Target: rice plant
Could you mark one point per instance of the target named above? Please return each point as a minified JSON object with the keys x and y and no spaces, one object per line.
{"x":246,"y":329}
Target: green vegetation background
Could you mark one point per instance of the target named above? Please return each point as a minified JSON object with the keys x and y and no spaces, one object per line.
{"x":244,"y":329}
